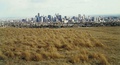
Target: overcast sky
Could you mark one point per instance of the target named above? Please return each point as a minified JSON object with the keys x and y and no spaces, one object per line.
{"x":29,"y":8}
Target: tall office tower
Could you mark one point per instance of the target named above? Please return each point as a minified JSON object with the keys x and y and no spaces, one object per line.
{"x":66,"y":17}
{"x":56,"y":15}
{"x":83,"y":18}
{"x":50,"y":17}
{"x":41,"y":19}
{"x":45,"y":19}
{"x":38,"y":14}
{"x":36,"y":17}
{"x":54,"y":19}
{"x":92,"y":19}
{"x":96,"y":19}
{"x":79,"y":17}
{"x":60,"y":18}
{"x":88,"y":19}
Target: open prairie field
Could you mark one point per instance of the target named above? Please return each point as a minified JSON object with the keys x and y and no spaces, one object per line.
{"x":60,"y":46}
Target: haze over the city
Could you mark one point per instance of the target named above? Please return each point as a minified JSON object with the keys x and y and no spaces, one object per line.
{"x":29,"y":8}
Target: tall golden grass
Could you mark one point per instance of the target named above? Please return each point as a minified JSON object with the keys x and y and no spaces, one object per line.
{"x":44,"y":44}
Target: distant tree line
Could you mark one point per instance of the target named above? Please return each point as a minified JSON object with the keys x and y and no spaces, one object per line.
{"x":57,"y":25}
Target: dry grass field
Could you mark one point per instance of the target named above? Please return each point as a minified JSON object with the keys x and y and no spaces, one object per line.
{"x":61,"y":46}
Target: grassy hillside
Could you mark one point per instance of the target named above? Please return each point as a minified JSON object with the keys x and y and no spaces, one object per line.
{"x":110,"y":36}
{"x":67,"y":46}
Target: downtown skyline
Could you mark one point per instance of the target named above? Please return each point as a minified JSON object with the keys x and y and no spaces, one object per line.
{"x":27,"y":8}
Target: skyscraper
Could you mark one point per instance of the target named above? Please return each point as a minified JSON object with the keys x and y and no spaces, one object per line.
{"x":38,"y":14}
{"x":50,"y":17}
{"x":37,"y":17}
{"x":41,"y":19}
{"x":59,"y":17}
{"x":83,"y":18}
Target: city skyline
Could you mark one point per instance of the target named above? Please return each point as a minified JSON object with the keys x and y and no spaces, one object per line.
{"x":28,"y":8}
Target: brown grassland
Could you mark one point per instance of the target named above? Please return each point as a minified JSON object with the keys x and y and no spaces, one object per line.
{"x":61,"y":46}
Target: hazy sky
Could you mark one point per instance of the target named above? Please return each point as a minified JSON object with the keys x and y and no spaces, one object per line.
{"x":29,"y":8}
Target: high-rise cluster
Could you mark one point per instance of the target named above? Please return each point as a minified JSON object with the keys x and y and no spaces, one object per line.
{"x":66,"y":19}
{"x":73,"y":19}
